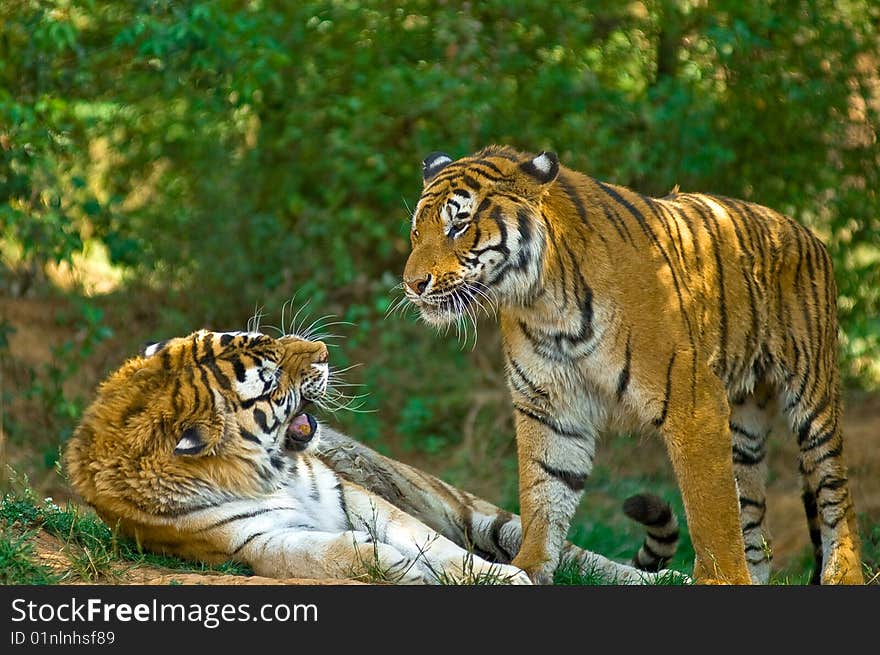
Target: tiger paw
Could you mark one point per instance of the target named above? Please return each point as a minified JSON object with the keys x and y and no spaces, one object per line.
{"x":843,"y":565}
{"x":476,"y":571}
{"x":540,"y":574}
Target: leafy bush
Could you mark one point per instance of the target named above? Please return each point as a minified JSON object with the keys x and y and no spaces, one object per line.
{"x":232,"y":155}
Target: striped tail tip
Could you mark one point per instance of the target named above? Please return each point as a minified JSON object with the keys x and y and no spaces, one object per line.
{"x":661,"y":539}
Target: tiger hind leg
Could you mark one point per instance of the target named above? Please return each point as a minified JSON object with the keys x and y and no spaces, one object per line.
{"x":815,"y":420}
{"x":751,"y":418}
{"x":812,"y":512}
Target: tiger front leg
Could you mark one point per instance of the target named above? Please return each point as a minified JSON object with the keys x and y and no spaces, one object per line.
{"x":695,"y":428}
{"x":440,"y":559}
{"x":352,"y":554}
{"x":554,"y":462}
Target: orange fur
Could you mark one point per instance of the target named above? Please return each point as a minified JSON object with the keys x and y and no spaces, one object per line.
{"x":692,"y":316}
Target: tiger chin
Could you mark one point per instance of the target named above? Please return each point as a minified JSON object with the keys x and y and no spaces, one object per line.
{"x":694,"y":317}
{"x":201,"y":448}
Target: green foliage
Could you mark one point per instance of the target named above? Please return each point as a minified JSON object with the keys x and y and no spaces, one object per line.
{"x":17,"y":560}
{"x":568,"y":573}
{"x":188,"y":137}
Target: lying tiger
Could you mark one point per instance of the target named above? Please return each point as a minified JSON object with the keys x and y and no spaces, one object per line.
{"x":200,"y":448}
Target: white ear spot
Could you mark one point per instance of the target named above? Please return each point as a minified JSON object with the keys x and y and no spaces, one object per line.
{"x":440,"y":160}
{"x":190,"y":443}
{"x":434,"y":163}
{"x":543,"y":163}
{"x":544,"y":168}
{"x":187,"y":443}
{"x":151,"y":350}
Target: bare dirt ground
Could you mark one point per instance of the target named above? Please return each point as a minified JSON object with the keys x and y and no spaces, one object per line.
{"x":52,"y":553}
{"x":37,"y":329}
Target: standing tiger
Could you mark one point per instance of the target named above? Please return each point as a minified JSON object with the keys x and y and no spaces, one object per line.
{"x":692,"y":316}
{"x":200,"y":448}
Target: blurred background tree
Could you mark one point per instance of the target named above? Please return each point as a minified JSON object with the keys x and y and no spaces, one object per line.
{"x":169,"y":165}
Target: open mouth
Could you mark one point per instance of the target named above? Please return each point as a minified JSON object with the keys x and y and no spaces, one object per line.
{"x":300,"y":431}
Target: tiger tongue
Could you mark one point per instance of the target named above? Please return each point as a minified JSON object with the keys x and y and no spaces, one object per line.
{"x":302,"y":427}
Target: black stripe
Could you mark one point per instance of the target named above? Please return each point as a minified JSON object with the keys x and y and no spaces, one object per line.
{"x":831,"y":453}
{"x":262,"y":422}
{"x":804,"y":430}
{"x":497,"y":524}
{"x":194,"y":351}
{"x":341,"y":498}
{"x":243,"y":516}
{"x":617,"y":223}
{"x":221,"y":378}
{"x":557,"y":251}
{"x":735,"y":427}
{"x":572,"y":480}
{"x":623,"y":378}
{"x":247,"y":541}
{"x":464,"y":193}
{"x":575,"y":201}
{"x":831,"y":483}
{"x":492,"y":167}
{"x":699,"y":207}
{"x":548,"y":423}
{"x":744,"y":457}
{"x":524,"y":227}
{"x":238,"y":368}
{"x":798,"y":233}
{"x":664,"y":539}
{"x":203,"y":374}
{"x":662,"y":418}
{"x":678,"y":212}
{"x":751,"y":525}
{"x":646,"y":228}
{"x":653,"y":554}
{"x":664,"y":220}
{"x":752,"y":336}
{"x":748,"y":502}
{"x":531,"y":385}
{"x":250,"y":436}
{"x":821,"y":437}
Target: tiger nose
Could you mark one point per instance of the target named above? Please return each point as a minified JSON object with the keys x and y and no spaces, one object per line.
{"x":321,"y":355}
{"x":420,"y":284}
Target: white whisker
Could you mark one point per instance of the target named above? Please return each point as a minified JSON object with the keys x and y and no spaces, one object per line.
{"x":294,"y":325}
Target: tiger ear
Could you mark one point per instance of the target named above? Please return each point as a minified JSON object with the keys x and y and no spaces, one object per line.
{"x":191,"y":442}
{"x":433,"y":164}
{"x":151,"y":348}
{"x":544,"y":168}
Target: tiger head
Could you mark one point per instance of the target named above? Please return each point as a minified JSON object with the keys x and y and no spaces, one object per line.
{"x":195,"y":421}
{"x":475,"y":233}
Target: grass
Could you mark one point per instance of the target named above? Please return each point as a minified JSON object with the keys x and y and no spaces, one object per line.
{"x":18,"y":563}
{"x":569,"y":573}
{"x":92,"y":550}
